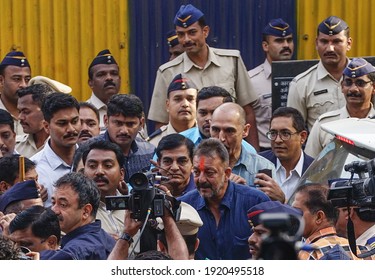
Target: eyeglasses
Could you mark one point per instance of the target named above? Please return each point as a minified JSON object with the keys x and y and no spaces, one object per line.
{"x":284,"y":134}
{"x":358,"y":83}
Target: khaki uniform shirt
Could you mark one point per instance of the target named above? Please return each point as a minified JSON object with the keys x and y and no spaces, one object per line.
{"x":160,"y":133}
{"x":113,"y":223}
{"x":260,"y":78}
{"x":318,"y":138}
{"x":315,"y":92}
{"x":26,"y":146}
{"x":17,"y":124}
{"x":224,"y":68}
{"x":102,"y":107}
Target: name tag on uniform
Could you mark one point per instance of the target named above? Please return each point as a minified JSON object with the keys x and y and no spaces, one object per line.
{"x":266,"y":96}
{"x":320,"y":92}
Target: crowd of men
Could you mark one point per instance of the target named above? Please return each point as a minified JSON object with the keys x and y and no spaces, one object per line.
{"x":86,"y":180}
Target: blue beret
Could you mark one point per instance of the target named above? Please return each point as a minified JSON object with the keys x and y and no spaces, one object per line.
{"x":187,"y":15}
{"x":332,"y":25}
{"x":270,"y":207}
{"x":103,"y":57}
{"x":278,"y":28}
{"x":20,"y":191}
{"x":181,"y":82}
{"x":172,"y":39}
{"x":358,"y":67}
{"x":16,"y":59}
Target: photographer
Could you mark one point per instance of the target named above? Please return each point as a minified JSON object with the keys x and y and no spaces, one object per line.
{"x":280,"y":245}
{"x":176,"y":244}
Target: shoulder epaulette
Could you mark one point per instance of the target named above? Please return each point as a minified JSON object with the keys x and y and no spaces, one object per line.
{"x":157,"y":132}
{"x":255,"y":71}
{"x":303,"y":74}
{"x":226,"y":52}
{"x":171,"y":63}
{"x":329,"y":115}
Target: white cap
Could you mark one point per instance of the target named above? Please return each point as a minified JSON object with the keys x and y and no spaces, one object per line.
{"x":55,"y":85}
{"x":189,"y":222}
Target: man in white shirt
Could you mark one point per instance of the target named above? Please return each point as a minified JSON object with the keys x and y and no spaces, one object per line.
{"x":61,"y":115}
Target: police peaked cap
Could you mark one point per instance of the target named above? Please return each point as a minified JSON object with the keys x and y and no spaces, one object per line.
{"x":278,"y":28}
{"x":187,"y":15}
{"x":16,"y":59}
{"x":332,"y":25}
{"x":20,"y":191}
{"x":181,"y":82}
{"x":358,"y":67}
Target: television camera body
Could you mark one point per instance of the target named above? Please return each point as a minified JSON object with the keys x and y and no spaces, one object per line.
{"x":145,"y":200}
{"x":359,"y":192}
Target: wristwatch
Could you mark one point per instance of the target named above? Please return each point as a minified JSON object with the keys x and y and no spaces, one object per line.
{"x":125,"y":236}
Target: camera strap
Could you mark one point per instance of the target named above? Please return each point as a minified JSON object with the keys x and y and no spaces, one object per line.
{"x":353,"y":243}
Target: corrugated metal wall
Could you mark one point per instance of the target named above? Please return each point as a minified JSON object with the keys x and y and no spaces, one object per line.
{"x":358,"y":15}
{"x":234,"y":24}
{"x":60,"y":38}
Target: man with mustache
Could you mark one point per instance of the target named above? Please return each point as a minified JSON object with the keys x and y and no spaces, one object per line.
{"x":358,"y":89}
{"x":103,"y":162}
{"x":277,"y":44}
{"x":181,"y":108}
{"x":175,"y":161}
{"x":317,"y":90}
{"x":124,"y":119}
{"x":104,"y":81}
{"x":89,"y":117}
{"x":15,"y":73}
{"x":7,"y":134}
{"x":61,"y":115}
{"x":205,"y":66}
{"x":221,"y":204}
{"x":30,"y":115}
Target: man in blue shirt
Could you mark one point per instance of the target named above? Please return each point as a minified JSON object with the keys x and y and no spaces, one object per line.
{"x":208,"y":99}
{"x":221,"y":204}
{"x":76,"y":202}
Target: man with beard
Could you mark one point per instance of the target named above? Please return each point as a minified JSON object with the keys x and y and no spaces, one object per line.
{"x":181,"y":108}
{"x":277,"y":44}
{"x":75,"y":201}
{"x":358,"y":88}
{"x":317,"y":90}
{"x":7,"y":134}
{"x":89,"y":117}
{"x":287,"y":134}
{"x":175,"y":161}
{"x":61,"y":115}
{"x":205,"y":66}
{"x":103,"y":163}
{"x":104,"y":81}
{"x":221,"y":204}
{"x":228,"y":125}
{"x":15,"y":73}
{"x":30,"y":115}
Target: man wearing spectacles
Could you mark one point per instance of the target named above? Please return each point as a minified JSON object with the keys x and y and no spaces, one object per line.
{"x":287,"y":134}
{"x":358,"y":89}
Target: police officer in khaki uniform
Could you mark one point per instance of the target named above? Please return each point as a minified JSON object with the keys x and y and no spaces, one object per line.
{"x":358,"y":89}
{"x":278,"y":45}
{"x":15,"y":73}
{"x":181,"y":108}
{"x":205,"y":66}
{"x":104,"y":80}
{"x":318,"y":90}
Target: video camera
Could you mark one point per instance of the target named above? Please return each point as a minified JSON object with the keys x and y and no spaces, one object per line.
{"x":144,"y":198}
{"x":285,"y":232}
{"x":355,"y":192}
